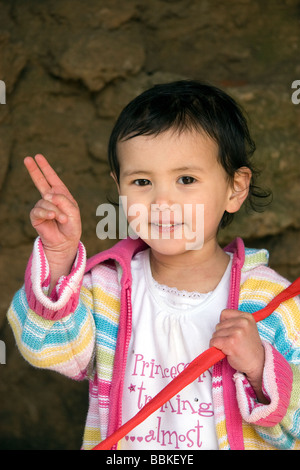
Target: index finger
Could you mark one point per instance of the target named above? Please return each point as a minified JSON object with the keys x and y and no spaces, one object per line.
{"x":44,"y":176}
{"x":37,"y":176}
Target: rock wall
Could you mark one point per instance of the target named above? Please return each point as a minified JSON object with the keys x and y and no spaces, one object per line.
{"x":69,"y":68}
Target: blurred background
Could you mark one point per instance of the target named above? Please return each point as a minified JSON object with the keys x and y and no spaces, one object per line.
{"x":69,"y":68}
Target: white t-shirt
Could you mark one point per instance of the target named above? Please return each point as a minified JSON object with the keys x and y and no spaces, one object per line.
{"x":169,"y":329}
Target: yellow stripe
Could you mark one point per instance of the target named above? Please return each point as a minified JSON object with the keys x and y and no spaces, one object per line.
{"x":91,"y":438}
{"x":106,"y":303}
{"x":86,"y":298}
{"x":260,"y":290}
{"x":253,"y":441}
{"x":264,"y":291}
{"x":222,"y":435}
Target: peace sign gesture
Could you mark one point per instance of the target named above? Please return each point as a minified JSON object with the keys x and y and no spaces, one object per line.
{"x":55,"y":217}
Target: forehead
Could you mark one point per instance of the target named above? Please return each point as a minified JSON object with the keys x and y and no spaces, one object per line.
{"x":169,"y":147}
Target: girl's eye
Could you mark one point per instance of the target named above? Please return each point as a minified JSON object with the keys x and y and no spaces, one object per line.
{"x":186,"y":179}
{"x":141,"y":182}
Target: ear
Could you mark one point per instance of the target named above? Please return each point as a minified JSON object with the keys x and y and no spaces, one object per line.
{"x":239,"y":189}
{"x":114,"y":177}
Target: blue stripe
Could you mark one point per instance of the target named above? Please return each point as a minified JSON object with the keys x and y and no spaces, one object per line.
{"x":56,"y":334}
{"x":273,"y":330}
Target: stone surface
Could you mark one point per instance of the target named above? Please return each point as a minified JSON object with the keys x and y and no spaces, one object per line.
{"x":69,"y":68}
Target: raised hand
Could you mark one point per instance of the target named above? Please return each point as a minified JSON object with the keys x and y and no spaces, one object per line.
{"x":55,"y":217}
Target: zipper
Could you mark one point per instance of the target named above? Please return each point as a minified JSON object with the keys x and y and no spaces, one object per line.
{"x":232,"y":302}
{"x":235,"y":438}
{"x":127,"y":342}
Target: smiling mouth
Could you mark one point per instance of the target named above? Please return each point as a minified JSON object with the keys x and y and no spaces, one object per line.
{"x":166,"y":227}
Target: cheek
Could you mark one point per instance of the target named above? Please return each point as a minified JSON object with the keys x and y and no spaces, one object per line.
{"x":130,"y":199}
{"x":137,"y":211}
{"x":214,"y":209}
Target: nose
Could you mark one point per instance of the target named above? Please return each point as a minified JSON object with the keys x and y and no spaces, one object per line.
{"x":164,"y":207}
{"x":162,"y":198}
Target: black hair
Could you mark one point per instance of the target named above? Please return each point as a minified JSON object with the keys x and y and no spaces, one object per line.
{"x":187,"y":105}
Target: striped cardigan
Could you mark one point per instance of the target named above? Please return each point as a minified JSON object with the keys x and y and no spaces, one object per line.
{"x":82,"y":329}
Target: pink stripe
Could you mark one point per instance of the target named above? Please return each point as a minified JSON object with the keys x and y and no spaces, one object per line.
{"x":42,"y":261}
{"x":34,"y":303}
{"x":283,"y":379}
{"x":232,"y":414}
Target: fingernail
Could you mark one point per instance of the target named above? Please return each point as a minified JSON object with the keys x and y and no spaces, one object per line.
{"x":48,"y":197}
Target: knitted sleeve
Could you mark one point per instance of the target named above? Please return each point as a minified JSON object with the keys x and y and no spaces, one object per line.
{"x":54,"y":330}
{"x":276,"y":424}
{"x":267,"y":426}
{"x":277,"y":387}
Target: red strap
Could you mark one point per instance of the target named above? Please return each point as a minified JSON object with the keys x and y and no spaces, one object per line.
{"x":199,"y":365}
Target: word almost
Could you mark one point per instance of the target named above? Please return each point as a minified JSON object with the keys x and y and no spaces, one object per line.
{"x":157,"y":222}
{"x":2,"y":92}
{"x":164,"y":437}
{"x":296,"y":94}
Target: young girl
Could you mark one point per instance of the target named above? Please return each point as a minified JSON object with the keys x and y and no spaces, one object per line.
{"x":131,"y":318}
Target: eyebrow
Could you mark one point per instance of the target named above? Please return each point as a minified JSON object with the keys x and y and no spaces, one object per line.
{"x":175,"y":170}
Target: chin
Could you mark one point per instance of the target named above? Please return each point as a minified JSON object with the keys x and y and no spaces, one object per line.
{"x":169,"y":247}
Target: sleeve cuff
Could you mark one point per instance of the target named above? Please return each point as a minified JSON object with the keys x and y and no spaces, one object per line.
{"x":277,"y":388}
{"x":64,"y":297}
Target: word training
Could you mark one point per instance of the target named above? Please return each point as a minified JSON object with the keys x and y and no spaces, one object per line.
{"x":175,"y":405}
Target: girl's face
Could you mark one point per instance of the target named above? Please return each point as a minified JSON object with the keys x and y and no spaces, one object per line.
{"x":174,"y":189}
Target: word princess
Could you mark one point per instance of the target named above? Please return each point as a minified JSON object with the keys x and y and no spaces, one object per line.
{"x":161,"y":221}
